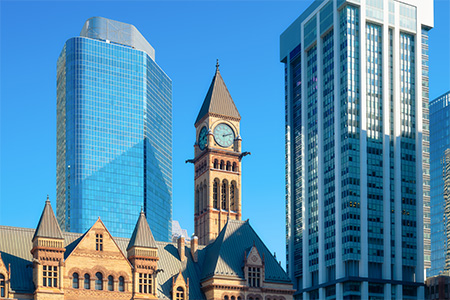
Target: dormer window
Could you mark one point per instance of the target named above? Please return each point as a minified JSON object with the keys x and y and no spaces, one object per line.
{"x":179,"y":294}
{"x":99,"y":242}
{"x":254,"y":277}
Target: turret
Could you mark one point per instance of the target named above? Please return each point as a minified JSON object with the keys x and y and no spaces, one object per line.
{"x":48,"y":256}
{"x":143,"y":255}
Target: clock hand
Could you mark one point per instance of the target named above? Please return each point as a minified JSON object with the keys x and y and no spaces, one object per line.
{"x":227,"y":134}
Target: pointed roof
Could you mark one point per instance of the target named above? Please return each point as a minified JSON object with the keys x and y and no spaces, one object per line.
{"x":48,"y":226}
{"x":225,"y":256}
{"x":218,"y":100}
{"x":142,"y":235}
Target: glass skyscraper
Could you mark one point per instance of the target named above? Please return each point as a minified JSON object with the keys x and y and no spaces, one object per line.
{"x":114,"y":132}
{"x":439,"y":143}
{"x":357,"y":184}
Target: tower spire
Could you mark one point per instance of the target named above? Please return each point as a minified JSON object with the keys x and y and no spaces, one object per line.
{"x":217,"y":65}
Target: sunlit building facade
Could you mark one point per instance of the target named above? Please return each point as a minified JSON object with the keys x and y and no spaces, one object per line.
{"x":439,"y":143}
{"x":114,"y":132}
{"x":357,"y":184}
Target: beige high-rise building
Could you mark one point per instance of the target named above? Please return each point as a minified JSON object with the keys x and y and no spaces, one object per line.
{"x":217,"y":162}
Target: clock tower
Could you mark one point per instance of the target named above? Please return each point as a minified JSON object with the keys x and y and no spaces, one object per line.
{"x":217,"y":162}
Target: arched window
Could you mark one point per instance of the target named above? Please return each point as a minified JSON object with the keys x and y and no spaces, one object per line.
{"x":110,"y":283}
{"x":233,"y":298}
{"x":234,"y":169}
{"x":228,"y":166}
{"x":222,"y":164}
{"x":180,"y":293}
{"x":239,"y":298}
{"x":98,"y":281}
{"x":224,"y":194}
{"x":2,"y":286}
{"x":216,"y":164}
{"x":215,"y":193}
{"x":75,"y":281}
{"x":121,"y":284}
{"x":232,"y":195}
{"x":87,"y":281}
{"x":225,"y":298}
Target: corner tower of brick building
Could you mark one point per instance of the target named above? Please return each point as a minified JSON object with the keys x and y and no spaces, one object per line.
{"x":48,"y":256}
{"x":217,"y":162}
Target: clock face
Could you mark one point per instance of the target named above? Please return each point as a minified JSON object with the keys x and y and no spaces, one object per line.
{"x":224,"y":135}
{"x":202,"y":138}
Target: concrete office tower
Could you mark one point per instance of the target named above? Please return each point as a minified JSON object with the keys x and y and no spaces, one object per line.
{"x":114,"y":132}
{"x":439,"y":143}
{"x":356,"y":75}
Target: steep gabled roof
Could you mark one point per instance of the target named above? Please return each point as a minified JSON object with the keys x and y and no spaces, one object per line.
{"x":48,"y":226}
{"x":15,"y":246}
{"x":218,"y":100}
{"x":142,"y":235}
{"x":225,"y":256}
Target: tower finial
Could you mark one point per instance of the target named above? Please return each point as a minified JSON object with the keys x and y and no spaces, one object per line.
{"x":217,"y":65}
{"x":48,"y":200}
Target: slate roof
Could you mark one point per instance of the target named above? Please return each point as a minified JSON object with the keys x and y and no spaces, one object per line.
{"x":15,"y":246}
{"x":218,"y":100}
{"x":225,"y":256}
{"x":48,"y":226}
{"x":142,"y":235}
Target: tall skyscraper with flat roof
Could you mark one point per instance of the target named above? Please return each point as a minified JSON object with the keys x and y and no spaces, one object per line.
{"x":357,"y":196}
{"x":114,"y":132}
{"x":439,"y":143}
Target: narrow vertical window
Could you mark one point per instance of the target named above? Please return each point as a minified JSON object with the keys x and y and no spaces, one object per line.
{"x":216,"y":164}
{"x":197,"y":199}
{"x":215,"y":193}
{"x":99,"y":242}
{"x":2,"y":286}
{"x":121,"y":284}
{"x":87,"y":281}
{"x":98,"y":281}
{"x":232,"y":195}
{"x":234,"y":168}
{"x":75,"y":281}
{"x":224,"y":194}
{"x":228,"y":166}
{"x":222,"y":164}
{"x":110,"y":283}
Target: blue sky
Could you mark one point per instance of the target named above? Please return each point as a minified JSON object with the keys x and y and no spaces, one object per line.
{"x":187,"y":37}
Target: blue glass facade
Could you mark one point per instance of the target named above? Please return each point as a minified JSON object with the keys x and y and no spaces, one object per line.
{"x":114,"y":137}
{"x":439,"y":142}
{"x":357,"y":166}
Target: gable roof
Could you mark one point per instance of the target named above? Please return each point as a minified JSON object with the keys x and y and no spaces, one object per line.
{"x":48,"y":226}
{"x":225,"y":256}
{"x":15,"y":246}
{"x":218,"y":100}
{"x":142,"y":235}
